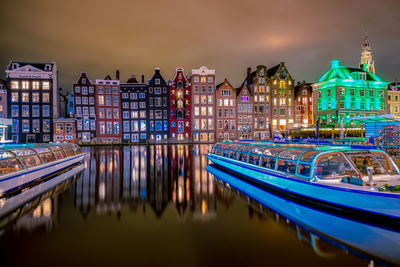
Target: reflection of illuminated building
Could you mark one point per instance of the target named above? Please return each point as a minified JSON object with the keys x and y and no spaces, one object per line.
{"x":42,"y":216}
{"x":158,"y":183}
{"x":180,"y":177}
{"x":112,"y":176}
{"x":204,"y":201}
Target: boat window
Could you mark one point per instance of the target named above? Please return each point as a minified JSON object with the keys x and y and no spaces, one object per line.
{"x":5,"y":155}
{"x":9,"y":165}
{"x":77,"y":149}
{"x":59,"y":154}
{"x":56,"y":148}
{"x":365,"y":160}
{"x":240,"y":156}
{"x":291,"y":154}
{"x":41,"y":149}
{"x":286,"y":166}
{"x":233,"y":154}
{"x":272,"y":151}
{"x":219,"y":151}
{"x":245,"y":157}
{"x":385,"y":161}
{"x":226,"y":153}
{"x":304,"y":170}
{"x":47,"y":157}
{"x":254,"y":159}
{"x":69,"y":151}
{"x":268,"y":162}
{"x":31,"y":161}
{"x":23,"y":152}
{"x":309,"y":156}
{"x":333,"y":166}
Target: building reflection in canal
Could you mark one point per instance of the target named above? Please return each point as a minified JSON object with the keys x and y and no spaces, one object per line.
{"x":139,"y":175}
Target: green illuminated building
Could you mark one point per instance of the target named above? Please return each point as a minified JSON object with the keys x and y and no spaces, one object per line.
{"x":345,"y":92}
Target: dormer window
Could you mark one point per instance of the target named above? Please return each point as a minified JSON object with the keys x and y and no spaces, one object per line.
{"x":359,"y":75}
{"x":14,"y":66}
{"x":83,"y":80}
{"x":262,"y":72}
{"x":47,"y":67}
{"x":157,"y":81}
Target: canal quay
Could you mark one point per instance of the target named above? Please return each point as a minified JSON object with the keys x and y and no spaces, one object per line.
{"x":165,"y":205}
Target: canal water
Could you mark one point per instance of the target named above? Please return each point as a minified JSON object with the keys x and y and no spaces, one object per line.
{"x":159,"y":206}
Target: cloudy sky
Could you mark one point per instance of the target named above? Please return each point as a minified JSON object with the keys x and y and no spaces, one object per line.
{"x":100,"y":36}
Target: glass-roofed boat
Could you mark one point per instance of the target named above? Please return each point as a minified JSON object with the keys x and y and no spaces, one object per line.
{"x":24,"y":164}
{"x":362,"y":181}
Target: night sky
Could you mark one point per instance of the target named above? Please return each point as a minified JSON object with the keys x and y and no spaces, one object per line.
{"x":100,"y":36}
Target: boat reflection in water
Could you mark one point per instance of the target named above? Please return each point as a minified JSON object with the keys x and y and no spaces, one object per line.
{"x":35,"y":206}
{"x":314,"y":226}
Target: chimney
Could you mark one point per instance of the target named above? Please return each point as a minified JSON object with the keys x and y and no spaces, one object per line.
{"x":142,"y":77}
{"x":117,"y":75}
{"x":248,"y":75}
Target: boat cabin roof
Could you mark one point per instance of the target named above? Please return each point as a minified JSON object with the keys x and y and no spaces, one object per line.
{"x":18,"y":157}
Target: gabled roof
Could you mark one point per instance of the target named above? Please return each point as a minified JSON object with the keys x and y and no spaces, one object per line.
{"x":225,"y":81}
{"x":108,"y":77}
{"x":272,"y":71}
{"x":343,"y":72}
{"x":132,"y":79}
{"x":38,"y":65}
{"x":302,"y":86}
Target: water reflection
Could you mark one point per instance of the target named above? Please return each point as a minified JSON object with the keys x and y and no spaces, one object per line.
{"x":131,"y":182}
{"x":141,"y":175}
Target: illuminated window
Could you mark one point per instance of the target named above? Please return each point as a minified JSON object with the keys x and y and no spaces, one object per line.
{"x":35,"y":97}
{"x":46,"y":85}
{"x":46,"y":97}
{"x":101,"y":100}
{"x":35,"y":85}
{"x":282,"y":84}
{"x":14,"y":84}
{"x":25,"y":84}
{"x":14,"y":97}
{"x":203,"y":79}
{"x":203,"y":111}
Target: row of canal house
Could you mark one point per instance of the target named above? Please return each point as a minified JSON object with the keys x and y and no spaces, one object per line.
{"x":189,"y":108}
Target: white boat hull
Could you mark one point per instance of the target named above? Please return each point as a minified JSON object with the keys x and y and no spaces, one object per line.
{"x":375,"y":202}
{"x":16,"y":179}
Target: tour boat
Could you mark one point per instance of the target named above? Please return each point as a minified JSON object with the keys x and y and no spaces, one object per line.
{"x":21,"y":165}
{"x":360,"y":183}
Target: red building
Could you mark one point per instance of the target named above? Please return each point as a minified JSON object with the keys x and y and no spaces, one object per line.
{"x":64,"y":130}
{"x":179,"y":100}
{"x":108,"y":111}
{"x":303,"y":105}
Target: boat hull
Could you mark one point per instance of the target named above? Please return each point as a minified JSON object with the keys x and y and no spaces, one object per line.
{"x":15,"y":180}
{"x":380,"y":205}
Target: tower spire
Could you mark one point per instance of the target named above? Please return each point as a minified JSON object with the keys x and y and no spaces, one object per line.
{"x":366,"y":55}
